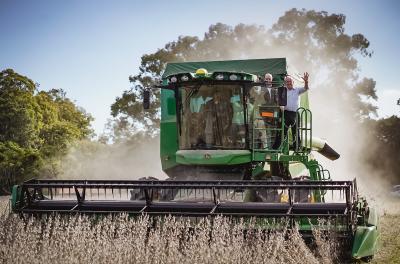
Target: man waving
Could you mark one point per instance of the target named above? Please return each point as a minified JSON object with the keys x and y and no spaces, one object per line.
{"x":292,"y":104}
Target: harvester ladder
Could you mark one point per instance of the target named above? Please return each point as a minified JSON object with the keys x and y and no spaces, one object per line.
{"x":304,"y":127}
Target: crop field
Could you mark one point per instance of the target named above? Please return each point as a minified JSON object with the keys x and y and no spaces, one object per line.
{"x":79,"y":239}
{"x":389,"y":251}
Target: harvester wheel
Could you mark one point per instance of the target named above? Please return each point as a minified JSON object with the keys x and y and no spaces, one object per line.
{"x":367,"y":259}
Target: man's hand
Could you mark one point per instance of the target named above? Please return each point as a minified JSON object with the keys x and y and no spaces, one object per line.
{"x":305,"y":79}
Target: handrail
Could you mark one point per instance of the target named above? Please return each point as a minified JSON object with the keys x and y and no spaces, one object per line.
{"x":304,"y":127}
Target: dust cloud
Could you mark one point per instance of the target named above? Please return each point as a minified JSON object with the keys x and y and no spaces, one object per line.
{"x":118,"y":161}
{"x":333,"y":121}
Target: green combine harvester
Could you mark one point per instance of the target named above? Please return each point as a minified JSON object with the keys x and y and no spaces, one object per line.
{"x":225,"y":152}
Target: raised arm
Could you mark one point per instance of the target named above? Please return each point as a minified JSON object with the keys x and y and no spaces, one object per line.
{"x":305,"y":79}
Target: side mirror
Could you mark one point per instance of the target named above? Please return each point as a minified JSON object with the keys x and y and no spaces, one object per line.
{"x":282,"y":96}
{"x":146,"y":99}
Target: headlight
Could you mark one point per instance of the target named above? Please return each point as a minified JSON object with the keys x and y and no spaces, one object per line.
{"x":233,"y":77}
{"x":184,"y":78}
{"x":173,"y":79}
{"x":201,"y":72}
{"x":219,"y":77}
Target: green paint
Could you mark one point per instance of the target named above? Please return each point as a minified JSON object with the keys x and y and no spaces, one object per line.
{"x":365,"y":241}
{"x":15,"y":197}
{"x":168,"y":130}
{"x":213,"y":157}
{"x":366,"y":236}
{"x":258,"y":171}
{"x":168,"y":145}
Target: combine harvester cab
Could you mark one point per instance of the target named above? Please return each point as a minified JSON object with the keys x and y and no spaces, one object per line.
{"x":225,"y":152}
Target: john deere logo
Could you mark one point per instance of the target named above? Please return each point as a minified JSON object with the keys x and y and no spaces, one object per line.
{"x":207,"y":156}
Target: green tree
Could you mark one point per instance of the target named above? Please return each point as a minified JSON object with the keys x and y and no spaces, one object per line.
{"x":36,"y":128}
{"x":311,"y":40}
{"x":19,"y":120}
{"x":63,"y":122}
{"x":16,"y":163}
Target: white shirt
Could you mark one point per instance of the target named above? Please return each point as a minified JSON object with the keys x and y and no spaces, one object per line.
{"x":269,"y":90}
{"x":293,"y":98}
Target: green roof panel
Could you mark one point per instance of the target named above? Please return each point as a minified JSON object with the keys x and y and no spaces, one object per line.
{"x":276,"y":66}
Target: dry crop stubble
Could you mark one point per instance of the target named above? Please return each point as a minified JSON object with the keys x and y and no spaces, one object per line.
{"x":120,"y":239}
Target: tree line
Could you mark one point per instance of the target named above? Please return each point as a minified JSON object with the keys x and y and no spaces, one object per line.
{"x":36,"y":128}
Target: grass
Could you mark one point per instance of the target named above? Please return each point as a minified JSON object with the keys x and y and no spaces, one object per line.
{"x":389,"y":251}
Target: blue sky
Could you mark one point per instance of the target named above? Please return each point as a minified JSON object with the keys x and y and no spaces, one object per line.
{"x":89,"y":48}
